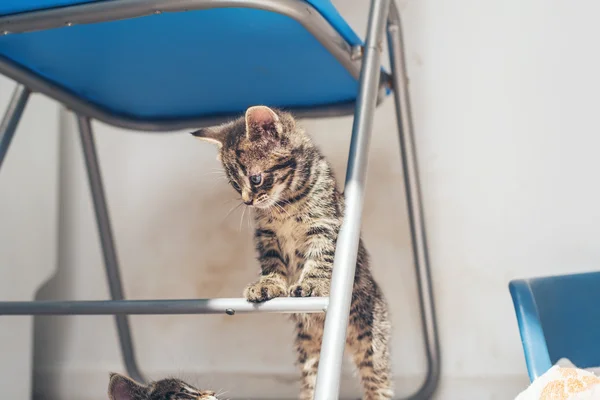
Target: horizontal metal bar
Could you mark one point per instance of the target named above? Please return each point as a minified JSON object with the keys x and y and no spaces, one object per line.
{"x":229,"y":306}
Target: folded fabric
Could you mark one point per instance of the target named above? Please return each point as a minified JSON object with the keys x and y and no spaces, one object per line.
{"x":564,"y":382}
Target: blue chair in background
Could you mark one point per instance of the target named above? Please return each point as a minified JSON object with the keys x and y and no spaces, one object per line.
{"x":162,"y":65}
{"x":559,"y":317}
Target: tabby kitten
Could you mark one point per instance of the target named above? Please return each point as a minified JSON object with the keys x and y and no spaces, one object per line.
{"x":298,"y":211}
{"x":124,"y":388}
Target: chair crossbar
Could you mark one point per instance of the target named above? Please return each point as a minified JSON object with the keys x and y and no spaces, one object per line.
{"x":229,"y":306}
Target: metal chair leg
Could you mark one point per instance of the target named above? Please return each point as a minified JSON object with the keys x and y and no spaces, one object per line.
{"x":108,"y":245}
{"x":336,"y":322}
{"x":415,"y":206}
{"x":11,"y":119}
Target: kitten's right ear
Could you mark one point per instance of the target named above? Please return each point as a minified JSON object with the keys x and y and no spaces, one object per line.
{"x":123,"y":388}
{"x":215,"y":134}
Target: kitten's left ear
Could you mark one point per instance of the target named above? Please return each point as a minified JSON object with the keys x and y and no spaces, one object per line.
{"x":123,"y":388}
{"x":261,"y":120}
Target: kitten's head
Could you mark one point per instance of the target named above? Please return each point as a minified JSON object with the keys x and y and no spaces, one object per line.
{"x":258,"y":154}
{"x":124,"y":388}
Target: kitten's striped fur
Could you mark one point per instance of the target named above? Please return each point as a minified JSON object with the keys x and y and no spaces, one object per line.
{"x":121,"y":387}
{"x":298,"y":214}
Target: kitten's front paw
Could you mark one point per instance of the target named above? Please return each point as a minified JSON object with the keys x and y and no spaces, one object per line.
{"x":308,"y":288}
{"x":263,"y":290}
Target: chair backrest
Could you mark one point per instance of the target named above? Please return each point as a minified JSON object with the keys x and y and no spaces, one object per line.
{"x":567,"y":308}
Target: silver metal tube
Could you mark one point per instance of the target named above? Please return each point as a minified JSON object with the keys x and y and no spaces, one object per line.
{"x":164,"y":307}
{"x":415,"y":206}
{"x":109,"y":252}
{"x":336,"y":322}
{"x":11,"y":119}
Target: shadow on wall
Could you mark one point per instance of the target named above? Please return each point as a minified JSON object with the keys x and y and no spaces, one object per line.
{"x":49,"y":335}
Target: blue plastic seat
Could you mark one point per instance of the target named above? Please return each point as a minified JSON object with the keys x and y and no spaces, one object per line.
{"x":20,"y":6}
{"x":169,"y":67}
{"x":558,"y":317}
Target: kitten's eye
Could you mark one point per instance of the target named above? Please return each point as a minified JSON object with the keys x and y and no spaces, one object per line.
{"x":256,"y":179}
{"x":235,"y":185}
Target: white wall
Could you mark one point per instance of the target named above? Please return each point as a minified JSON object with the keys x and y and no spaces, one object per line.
{"x":504,"y":95}
{"x":28,"y":236}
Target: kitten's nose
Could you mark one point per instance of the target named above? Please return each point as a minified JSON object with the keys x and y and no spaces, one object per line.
{"x":247,"y":197}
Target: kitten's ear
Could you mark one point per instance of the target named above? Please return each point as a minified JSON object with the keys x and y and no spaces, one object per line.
{"x":123,"y":388}
{"x":215,"y":135}
{"x":261,"y":120}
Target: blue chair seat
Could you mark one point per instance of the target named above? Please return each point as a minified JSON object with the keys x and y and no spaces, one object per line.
{"x":11,"y":7}
{"x":558,"y":317}
{"x":183,"y":65}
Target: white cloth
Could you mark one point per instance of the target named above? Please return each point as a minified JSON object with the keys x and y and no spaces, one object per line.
{"x":564,"y":382}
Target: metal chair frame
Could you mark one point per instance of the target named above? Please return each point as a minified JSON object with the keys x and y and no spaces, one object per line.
{"x":362,"y":63}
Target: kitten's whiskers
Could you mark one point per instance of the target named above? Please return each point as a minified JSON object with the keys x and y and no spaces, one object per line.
{"x":230,"y":211}
{"x":242,"y":219}
{"x":281,"y":209}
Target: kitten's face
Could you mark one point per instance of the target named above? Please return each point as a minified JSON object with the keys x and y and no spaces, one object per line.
{"x":256,"y":152}
{"x":123,"y":388}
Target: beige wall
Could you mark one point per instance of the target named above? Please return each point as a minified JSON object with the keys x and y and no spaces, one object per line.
{"x":28,"y":236}
{"x":505,"y":99}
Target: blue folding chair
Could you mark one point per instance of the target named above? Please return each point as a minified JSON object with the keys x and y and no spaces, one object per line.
{"x":160,"y":65}
{"x":558,"y":317}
